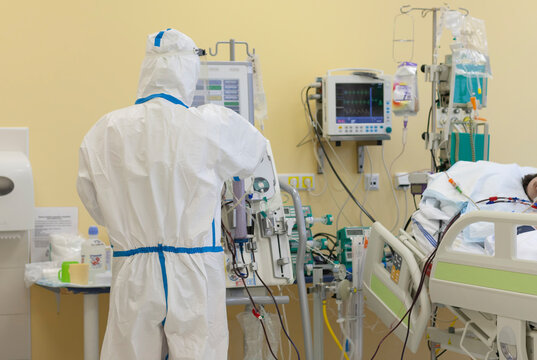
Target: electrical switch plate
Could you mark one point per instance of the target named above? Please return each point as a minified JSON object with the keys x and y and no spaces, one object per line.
{"x":371,"y":181}
{"x":299,"y":181}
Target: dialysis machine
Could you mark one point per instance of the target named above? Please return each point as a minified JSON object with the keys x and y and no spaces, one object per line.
{"x":266,"y":246}
{"x":254,"y":231}
{"x":265,"y":252}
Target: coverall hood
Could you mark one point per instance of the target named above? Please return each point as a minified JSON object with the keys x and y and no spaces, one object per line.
{"x":170,"y":66}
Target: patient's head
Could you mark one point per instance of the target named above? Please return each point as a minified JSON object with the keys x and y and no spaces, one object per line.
{"x":529,"y":182}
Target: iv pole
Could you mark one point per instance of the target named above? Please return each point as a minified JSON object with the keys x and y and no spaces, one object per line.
{"x":432,"y":73}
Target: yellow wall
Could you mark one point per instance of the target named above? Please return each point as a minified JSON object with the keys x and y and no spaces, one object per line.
{"x":66,"y":63}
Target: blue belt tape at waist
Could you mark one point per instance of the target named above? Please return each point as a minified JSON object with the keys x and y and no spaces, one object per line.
{"x":164,"y":248}
{"x":160,"y":249}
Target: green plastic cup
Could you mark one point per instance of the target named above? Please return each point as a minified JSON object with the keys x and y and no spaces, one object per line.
{"x":63,"y":274}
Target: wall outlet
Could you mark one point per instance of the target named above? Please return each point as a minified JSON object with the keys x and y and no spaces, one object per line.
{"x":371,"y":181}
{"x":401,"y":181}
{"x":298,"y":181}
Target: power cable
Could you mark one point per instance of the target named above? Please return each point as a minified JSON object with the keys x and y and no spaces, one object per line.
{"x":332,"y":166}
{"x":231,"y":248}
{"x":277,"y":309}
{"x":394,"y":227}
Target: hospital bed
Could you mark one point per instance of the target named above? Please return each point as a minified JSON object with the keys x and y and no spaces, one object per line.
{"x":493,"y":297}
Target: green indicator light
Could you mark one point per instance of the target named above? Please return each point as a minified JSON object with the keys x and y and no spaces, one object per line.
{"x":215,"y":87}
{"x":231,"y":103}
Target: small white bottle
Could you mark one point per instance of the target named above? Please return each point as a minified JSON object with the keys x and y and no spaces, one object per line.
{"x":93,"y":253}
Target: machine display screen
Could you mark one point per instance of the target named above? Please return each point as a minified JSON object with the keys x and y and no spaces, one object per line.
{"x":228,"y":84}
{"x":353,"y":232}
{"x":223,"y":92}
{"x":359,"y":103}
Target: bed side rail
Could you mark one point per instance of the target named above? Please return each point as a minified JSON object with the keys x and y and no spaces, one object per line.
{"x":505,"y":225}
{"x":487,"y":283}
{"x":388,"y":290}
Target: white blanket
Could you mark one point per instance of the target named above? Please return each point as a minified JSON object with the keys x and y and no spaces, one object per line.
{"x":480,"y":180}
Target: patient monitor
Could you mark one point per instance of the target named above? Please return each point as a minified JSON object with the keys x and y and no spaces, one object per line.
{"x":356,"y":107}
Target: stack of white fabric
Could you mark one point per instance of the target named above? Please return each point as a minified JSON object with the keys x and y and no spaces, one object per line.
{"x":480,"y":180}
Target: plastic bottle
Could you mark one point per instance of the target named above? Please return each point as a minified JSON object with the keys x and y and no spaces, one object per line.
{"x":93,"y":253}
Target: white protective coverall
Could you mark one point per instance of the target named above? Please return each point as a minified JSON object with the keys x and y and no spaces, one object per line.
{"x":152,"y":174}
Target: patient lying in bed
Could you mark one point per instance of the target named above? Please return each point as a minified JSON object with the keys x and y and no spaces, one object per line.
{"x":529,"y":183}
{"x":480,"y":181}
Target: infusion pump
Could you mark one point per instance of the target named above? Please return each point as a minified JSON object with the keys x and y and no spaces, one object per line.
{"x":355,"y":107}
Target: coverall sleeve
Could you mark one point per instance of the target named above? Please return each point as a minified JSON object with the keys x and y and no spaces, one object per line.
{"x":85,"y":187}
{"x":242,"y":146}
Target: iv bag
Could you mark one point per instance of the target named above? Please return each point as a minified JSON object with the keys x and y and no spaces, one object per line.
{"x":405,"y":99}
{"x":470,"y":53}
{"x":260,"y":100}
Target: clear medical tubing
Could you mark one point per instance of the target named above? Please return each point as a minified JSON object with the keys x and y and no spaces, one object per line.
{"x":300,"y":280}
{"x":240,"y":210}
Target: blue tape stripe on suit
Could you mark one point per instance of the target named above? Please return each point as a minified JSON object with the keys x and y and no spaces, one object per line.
{"x":160,"y":249}
{"x":172,"y":249}
{"x":214,"y":236}
{"x":164,"y":277}
{"x":158,"y":38}
{"x":164,"y":96}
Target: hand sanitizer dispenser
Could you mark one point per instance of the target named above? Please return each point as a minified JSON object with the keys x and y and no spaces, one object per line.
{"x":16,"y":221}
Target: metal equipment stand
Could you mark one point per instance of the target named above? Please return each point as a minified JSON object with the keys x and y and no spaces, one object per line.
{"x":259,"y":295}
{"x":91,"y":312}
{"x":300,"y":279}
{"x":318,"y":325}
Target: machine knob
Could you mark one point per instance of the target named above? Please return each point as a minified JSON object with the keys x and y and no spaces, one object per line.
{"x":388,"y":129}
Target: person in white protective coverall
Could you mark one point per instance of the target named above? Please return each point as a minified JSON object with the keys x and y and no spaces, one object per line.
{"x":152,"y":174}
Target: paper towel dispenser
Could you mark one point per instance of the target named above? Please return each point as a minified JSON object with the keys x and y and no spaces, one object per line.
{"x":6,"y":185}
{"x":16,"y":182}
